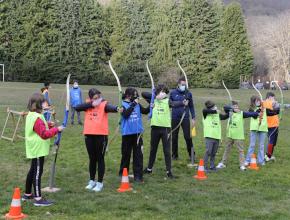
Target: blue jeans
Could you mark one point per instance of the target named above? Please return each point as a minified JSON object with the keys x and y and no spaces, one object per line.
{"x":251,"y":150}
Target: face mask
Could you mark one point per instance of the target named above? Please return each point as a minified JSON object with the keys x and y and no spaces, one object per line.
{"x":258,"y":103}
{"x":182,"y":88}
{"x":76,"y":85}
{"x":98,"y":101}
{"x":161,"y":95}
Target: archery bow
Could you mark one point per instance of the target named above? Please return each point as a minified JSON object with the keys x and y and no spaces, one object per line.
{"x":261,"y":97}
{"x":184,"y":111}
{"x":152,"y":97}
{"x":282,"y":100}
{"x":231,"y":99}
{"x":58,"y":138}
{"x":119,"y":104}
{"x":152,"y":91}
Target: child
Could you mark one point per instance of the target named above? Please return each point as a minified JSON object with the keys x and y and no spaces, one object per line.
{"x":45,"y":92}
{"x":236,"y":135}
{"x":272,"y":111}
{"x":212,"y":132}
{"x":96,"y":130}
{"x":131,"y":128}
{"x":75,"y":99}
{"x":160,"y":128}
{"x":37,"y":135}
{"x":258,"y":127}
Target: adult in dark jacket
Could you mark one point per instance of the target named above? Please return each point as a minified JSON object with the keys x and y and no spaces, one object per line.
{"x":183,"y":95}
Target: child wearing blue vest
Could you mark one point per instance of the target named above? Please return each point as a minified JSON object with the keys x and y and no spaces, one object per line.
{"x":75,"y":99}
{"x":131,"y":129}
{"x":37,"y":142}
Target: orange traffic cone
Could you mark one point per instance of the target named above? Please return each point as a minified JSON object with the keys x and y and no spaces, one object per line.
{"x":125,"y":185}
{"x":15,"y":208}
{"x":200,"y":172}
{"x":253,"y":164}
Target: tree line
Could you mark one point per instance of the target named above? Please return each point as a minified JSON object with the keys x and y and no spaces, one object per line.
{"x":44,"y":40}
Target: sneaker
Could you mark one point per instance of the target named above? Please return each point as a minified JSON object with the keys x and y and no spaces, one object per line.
{"x":138,"y":180}
{"x":272,"y":158}
{"x":99,"y":187}
{"x":26,"y":197}
{"x":246,"y":164}
{"x":243,"y":168}
{"x":221,"y":166}
{"x":147,"y":171}
{"x":42,"y":202}
{"x":212,"y":169}
{"x":80,"y":123}
{"x":267,"y":159}
{"x":91,"y":185}
{"x":174,"y":157}
{"x":170,"y":175}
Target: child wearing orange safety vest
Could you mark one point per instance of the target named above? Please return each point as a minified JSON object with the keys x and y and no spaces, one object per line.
{"x":37,"y":142}
{"x":272,"y":110}
{"x":96,"y":130}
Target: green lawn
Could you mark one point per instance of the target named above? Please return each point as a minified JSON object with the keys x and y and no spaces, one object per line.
{"x":227,"y":194}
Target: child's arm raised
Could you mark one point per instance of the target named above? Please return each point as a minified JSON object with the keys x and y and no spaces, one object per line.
{"x":40,"y":128}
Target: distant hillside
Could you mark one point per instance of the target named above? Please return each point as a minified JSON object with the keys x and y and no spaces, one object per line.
{"x":263,"y":7}
{"x":253,"y":7}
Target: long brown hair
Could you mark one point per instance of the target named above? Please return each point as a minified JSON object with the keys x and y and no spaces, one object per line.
{"x":35,"y":103}
{"x":253,"y":100}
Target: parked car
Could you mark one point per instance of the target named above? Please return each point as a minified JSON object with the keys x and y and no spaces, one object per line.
{"x":283,"y":85}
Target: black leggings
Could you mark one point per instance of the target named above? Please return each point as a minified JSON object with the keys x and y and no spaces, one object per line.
{"x":157,"y":134}
{"x":129,"y":143}
{"x":96,"y":147}
{"x":185,"y":125}
{"x":34,"y":176}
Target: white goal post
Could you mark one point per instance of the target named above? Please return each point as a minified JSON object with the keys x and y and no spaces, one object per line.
{"x":3,"y":72}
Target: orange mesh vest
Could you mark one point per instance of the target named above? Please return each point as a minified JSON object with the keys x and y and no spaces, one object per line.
{"x":273,"y":121}
{"x":96,"y":120}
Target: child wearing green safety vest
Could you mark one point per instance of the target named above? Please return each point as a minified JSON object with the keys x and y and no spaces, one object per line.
{"x":258,"y":128}
{"x":37,"y":142}
{"x":235,"y":134}
{"x":160,"y":129}
{"x":212,"y":132}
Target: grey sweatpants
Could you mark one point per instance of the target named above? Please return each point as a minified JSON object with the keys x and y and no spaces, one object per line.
{"x":211,"y":150}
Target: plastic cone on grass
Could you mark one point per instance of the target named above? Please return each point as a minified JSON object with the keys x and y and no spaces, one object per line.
{"x":253,"y":164}
{"x":15,"y":208}
{"x":200,"y":172}
{"x":125,"y":185}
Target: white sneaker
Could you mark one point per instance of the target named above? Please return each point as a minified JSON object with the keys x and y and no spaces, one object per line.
{"x":267,"y":159}
{"x":91,"y":185}
{"x":246,"y":164}
{"x":243,"y":168}
{"x":99,"y":187}
{"x":272,"y":158}
{"x":220,"y":166}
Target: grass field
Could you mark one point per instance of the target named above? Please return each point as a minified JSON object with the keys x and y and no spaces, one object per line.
{"x":227,"y":194}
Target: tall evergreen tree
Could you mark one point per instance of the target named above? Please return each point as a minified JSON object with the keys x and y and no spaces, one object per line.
{"x":235,"y":57}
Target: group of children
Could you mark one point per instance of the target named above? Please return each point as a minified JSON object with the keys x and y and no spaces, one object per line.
{"x":264,"y":121}
{"x":263,"y":114}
